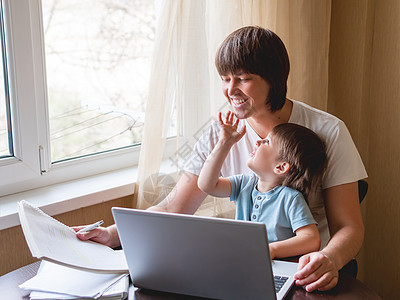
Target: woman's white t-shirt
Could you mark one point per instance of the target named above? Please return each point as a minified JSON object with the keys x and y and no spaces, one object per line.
{"x":344,"y":162}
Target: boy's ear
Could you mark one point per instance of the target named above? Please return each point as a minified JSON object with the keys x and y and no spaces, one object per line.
{"x":281,"y":168}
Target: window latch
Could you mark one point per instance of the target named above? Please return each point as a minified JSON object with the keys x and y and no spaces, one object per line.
{"x":43,"y":166}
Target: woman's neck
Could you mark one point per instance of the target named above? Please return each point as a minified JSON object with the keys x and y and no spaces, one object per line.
{"x":263,"y":122}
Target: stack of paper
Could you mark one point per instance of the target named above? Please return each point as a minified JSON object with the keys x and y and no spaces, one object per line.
{"x":55,"y":281}
{"x":49,"y":239}
{"x":70,"y":268}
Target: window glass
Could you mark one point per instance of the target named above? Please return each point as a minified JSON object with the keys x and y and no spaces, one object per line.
{"x":4,"y":145}
{"x":97,"y":56}
{"x":5,"y":132}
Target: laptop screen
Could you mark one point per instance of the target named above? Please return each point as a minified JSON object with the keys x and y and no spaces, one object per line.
{"x":199,"y":256}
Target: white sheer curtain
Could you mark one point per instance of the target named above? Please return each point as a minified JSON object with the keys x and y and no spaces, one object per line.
{"x":165,"y":91}
{"x":187,"y":37}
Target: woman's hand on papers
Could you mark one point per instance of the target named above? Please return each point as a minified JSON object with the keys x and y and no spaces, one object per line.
{"x":104,"y":235}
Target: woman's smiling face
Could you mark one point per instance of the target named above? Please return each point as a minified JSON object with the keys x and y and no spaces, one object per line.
{"x":247,"y":93}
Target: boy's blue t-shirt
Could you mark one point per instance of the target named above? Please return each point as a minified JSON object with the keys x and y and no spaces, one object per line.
{"x":283,"y":210}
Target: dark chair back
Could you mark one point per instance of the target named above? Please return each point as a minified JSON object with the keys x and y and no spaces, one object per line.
{"x":362,"y":189}
{"x":352,"y":266}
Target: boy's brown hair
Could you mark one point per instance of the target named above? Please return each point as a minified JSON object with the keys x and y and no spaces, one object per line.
{"x":306,"y":154}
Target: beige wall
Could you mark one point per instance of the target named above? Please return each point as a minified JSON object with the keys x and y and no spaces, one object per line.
{"x":14,"y":251}
{"x":364,"y":90}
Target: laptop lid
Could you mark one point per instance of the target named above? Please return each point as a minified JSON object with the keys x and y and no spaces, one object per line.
{"x":198,"y":256}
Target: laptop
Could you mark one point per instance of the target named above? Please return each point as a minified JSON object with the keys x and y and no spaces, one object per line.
{"x":200,"y":256}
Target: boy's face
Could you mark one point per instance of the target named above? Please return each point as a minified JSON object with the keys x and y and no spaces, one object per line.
{"x":262,"y":160}
{"x":247,"y":93}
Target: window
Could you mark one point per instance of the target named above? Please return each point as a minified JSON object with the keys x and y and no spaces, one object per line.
{"x":97,"y":64}
{"x":75,"y":82}
{"x":5,"y":132}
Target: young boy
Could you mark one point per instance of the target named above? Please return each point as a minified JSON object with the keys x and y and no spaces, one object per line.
{"x":289,"y":164}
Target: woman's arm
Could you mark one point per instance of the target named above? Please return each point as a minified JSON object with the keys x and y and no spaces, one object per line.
{"x":307,"y":240}
{"x":185,"y":198}
{"x":319,"y":270}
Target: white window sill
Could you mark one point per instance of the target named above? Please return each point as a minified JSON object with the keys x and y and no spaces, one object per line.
{"x":68,"y":196}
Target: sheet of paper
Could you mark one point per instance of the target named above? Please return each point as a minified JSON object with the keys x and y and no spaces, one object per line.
{"x":36,"y":295}
{"x":48,"y":238}
{"x":56,"y":278}
{"x":117,"y":291}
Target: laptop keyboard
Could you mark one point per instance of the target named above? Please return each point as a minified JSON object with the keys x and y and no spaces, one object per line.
{"x":279,"y":282}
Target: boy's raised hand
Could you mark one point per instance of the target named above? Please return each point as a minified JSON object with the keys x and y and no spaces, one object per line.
{"x":228,"y":131}
{"x":209,"y":180}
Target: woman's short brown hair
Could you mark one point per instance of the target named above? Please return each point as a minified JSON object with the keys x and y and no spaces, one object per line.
{"x":306,"y":154}
{"x":257,"y":51}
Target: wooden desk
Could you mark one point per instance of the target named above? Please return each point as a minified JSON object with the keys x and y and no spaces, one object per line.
{"x":348,"y":288}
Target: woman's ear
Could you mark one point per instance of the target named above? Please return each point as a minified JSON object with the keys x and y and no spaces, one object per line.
{"x":281,"y":168}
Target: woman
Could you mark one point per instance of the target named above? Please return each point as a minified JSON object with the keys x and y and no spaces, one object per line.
{"x":254,"y":66}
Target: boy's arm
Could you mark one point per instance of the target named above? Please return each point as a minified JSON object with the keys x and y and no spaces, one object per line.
{"x":307,"y":240}
{"x":209,"y":180}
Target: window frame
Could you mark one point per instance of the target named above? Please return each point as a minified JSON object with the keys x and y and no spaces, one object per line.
{"x":24,"y":165}
{"x":31,"y":165}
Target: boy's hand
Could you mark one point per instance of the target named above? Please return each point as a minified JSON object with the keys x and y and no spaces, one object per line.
{"x":228,"y":131}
